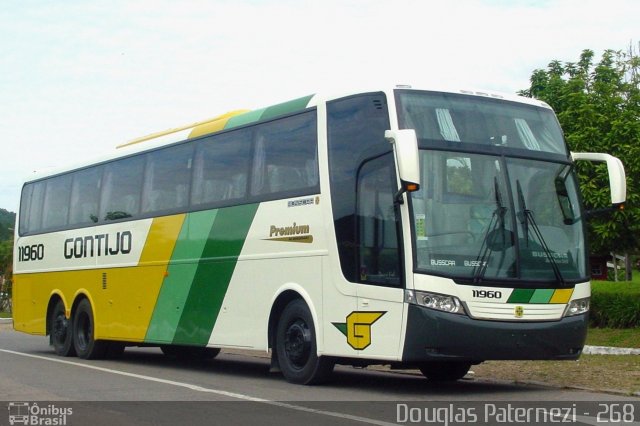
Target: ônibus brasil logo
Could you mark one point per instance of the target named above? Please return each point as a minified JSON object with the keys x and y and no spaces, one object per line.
{"x":27,"y":413}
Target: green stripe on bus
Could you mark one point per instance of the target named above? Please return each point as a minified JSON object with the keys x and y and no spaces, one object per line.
{"x":175,"y":287}
{"x":269,"y":112}
{"x":520,"y":295}
{"x":542,"y":296}
{"x":214,"y":272}
{"x":246,"y":118}
{"x":286,"y":107}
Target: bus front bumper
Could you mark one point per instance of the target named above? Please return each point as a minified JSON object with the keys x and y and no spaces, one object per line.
{"x":438,"y":336}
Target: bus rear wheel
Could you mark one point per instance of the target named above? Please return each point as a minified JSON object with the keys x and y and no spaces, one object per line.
{"x":61,"y":333}
{"x":445,"y":371}
{"x":296,"y":346}
{"x":86,"y":346}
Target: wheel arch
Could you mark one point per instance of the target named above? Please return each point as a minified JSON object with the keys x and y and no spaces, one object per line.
{"x":54,"y":297}
{"x":57,"y":295}
{"x":280,"y":300}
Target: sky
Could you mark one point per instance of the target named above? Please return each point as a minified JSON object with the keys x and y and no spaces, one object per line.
{"x":78,"y":77}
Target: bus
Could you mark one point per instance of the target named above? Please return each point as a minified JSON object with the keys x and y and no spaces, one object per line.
{"x":423,"y":229}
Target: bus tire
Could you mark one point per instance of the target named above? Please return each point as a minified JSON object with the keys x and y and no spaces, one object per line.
{"x":84,"y":331}
{"x":61,"y":331}
{"x":296,"y":346}
{"x":445,"y":371}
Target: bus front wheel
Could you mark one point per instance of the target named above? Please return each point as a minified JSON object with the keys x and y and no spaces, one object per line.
{"x":86,"y":346}
{"x":61,"y":333}
{"x":443,"y":371}
{"x":296,"y":346}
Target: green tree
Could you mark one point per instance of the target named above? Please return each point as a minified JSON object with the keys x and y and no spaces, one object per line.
{"x":6,"y":271}
{"x":7,"y":220}
{"x":598,"y":106}
{"x":6,"y":256}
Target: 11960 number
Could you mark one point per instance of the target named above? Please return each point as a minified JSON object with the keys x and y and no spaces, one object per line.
{"x":487,"y":294}
{"x":32,"y":252}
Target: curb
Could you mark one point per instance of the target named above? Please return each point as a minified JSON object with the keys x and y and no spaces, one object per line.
{"x":606,"y":350}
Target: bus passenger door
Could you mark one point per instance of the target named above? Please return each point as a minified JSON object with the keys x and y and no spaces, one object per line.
{"x":380,"y":287}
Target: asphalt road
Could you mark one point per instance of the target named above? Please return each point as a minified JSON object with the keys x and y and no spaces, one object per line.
{"x":144,"y":387}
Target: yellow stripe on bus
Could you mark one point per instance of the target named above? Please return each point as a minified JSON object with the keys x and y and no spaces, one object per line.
{"x":123,"y":299}
{"x":215,"y":125}
{"x":136,"y":289}
{"x":561,"y":295}
{"x":161,"y":239}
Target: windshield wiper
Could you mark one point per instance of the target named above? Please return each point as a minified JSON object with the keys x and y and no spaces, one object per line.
{"x":497,"y":220}
{"x":525,"y":216}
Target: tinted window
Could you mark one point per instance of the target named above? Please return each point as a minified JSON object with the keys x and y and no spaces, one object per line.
{"x":378,"y":255}
{"x":285,"y":158}
{"x":356,"y":128}
{"x":168,"y":179}
{"x":85,"y":196}
{"x":281,"y":156}
{"x":221,"y":168}
{"x":121,"y":189}
{"x":56,"y":202}
{"x":446,"y":117}
{"x":31,"y":207}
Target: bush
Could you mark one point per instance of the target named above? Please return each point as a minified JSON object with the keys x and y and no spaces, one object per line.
{"x":615,"y":305}
{"x":5,"y":296}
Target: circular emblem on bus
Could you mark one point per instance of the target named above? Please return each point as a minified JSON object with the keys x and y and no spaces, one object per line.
{"x":317,"y":200}
{"x":519,"y":311}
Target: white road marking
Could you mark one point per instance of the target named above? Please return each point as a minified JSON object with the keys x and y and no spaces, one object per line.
{"x":206,"y":390}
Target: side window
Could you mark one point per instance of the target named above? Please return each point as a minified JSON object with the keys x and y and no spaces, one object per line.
{"x":286,"y":157}
{"x":356,"y":128}
{"x":221,"y":168}
{"x":85,"y":196}
{"x":121,"y":189}
{"x":168,"y":179}
{"x":31,"y":207}
{"x":459,"y":179}
{"x":379,"y":260}
{"x":56,"y":202}
{"x":25,"y":205}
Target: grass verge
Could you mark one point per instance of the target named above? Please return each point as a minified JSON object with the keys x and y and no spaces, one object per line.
{"x":598,"y":372}
{"x":617,"y":337}
{"x":5,"y":314}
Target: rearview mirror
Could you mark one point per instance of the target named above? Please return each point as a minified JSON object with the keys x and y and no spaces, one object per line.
{"x":617,"y":177}
{"x":406,"y":148}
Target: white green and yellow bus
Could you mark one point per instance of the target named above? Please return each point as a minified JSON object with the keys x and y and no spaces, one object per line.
{"x":419,"y":228}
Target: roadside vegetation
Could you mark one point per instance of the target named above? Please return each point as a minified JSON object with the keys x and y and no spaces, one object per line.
{"x":616,"y":304}
{"x":7,"y":219}
{"x":616,"y":337}
{"x":613,"y":373}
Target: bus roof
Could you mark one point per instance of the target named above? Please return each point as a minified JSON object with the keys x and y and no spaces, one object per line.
{"x":239,"y":118}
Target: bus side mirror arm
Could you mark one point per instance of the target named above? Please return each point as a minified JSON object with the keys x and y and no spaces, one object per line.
{"x":617,"y":177}
{"x":405,"y":145}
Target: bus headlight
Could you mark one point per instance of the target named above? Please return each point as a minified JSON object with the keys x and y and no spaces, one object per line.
{"x":436,"y":301}
{"x":577,"y":307}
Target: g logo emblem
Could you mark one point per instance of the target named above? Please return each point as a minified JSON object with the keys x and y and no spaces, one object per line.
{"x":358,"y":328}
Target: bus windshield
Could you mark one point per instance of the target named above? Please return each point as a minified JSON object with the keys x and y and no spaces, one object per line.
{"x":454,"y":118}
{"x":482,"y":217}
{"x":498,"y":198}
